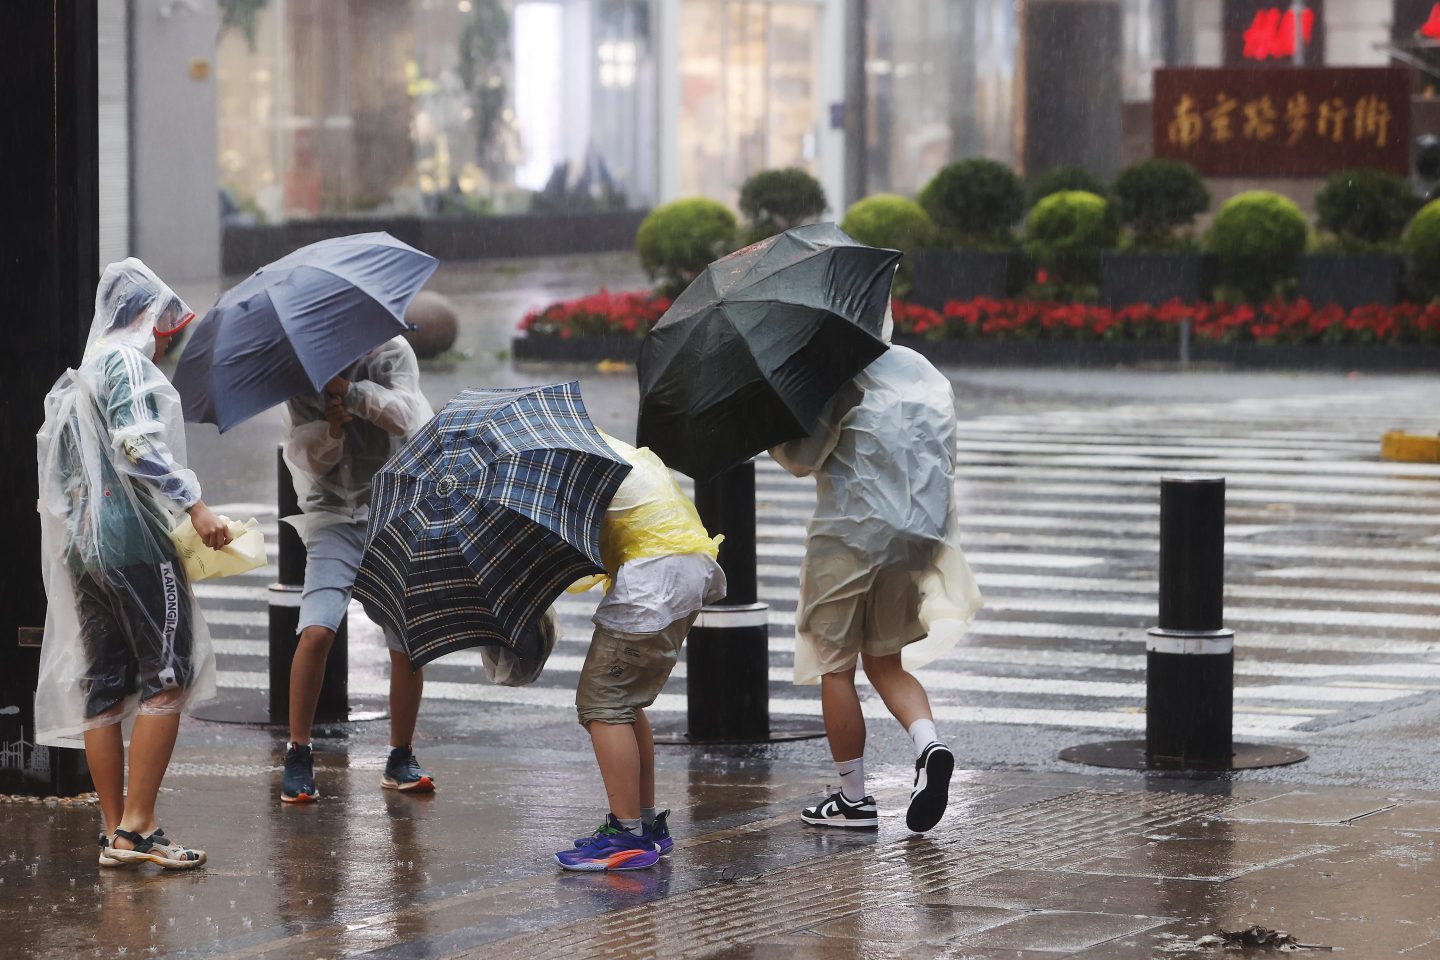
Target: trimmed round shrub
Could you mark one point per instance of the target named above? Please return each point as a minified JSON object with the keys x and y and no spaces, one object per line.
{"x":1067,"y":232}
{"x":975,"y":202}
{"x":894,"y":222}
{"x":1157,"y":197}
{"x":1258,"y":238}
{"x":776,"y":200}
{"x":1365,"y":208}
{"x":1065,"y":178}
{"x":1422,"y":244}
{"x":678,"y":240}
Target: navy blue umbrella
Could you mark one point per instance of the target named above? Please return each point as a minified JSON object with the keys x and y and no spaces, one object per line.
{"x":291,"y":326}
{"x":485,"y":515}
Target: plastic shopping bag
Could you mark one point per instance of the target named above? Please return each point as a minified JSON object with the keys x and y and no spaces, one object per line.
{"x":244,"y":552}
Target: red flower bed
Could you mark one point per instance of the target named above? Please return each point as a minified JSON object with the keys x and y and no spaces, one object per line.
{"x":602,"y":314}
{"x":632,"y":314}
{"x":1270,"y":323}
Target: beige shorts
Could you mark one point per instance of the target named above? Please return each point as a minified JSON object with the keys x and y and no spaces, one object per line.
{"x":878,"y":622}
{"x":624,"y":672}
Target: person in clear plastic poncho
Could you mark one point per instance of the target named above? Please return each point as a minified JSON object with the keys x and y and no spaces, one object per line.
{"x":335,"y":442}
{"x":883,"y":577}
{"x":661,"y":569}
{"x":124,"y":638}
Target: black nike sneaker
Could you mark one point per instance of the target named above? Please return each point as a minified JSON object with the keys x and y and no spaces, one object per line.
{"x":932,"y":787}
{"x":836,"y":811}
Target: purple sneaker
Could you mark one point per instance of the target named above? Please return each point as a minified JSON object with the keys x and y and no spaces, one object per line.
{"x":659,"y":834}
{"x":614,"y":849}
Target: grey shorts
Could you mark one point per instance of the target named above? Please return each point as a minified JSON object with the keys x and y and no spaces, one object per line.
{"x":624,"y":672}
{"x":332,"y":559}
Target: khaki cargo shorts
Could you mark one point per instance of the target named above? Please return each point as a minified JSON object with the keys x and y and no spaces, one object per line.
{"x":880,"y":622}
{"x":624,"y":672}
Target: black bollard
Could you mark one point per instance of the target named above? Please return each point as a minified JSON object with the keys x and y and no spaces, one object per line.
{"x":727,"y":655}
{"x":334,"y":703}
{"x":1190,"y":656}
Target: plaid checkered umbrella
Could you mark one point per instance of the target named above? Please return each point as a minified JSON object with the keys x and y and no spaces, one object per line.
{"x":482,"y":519}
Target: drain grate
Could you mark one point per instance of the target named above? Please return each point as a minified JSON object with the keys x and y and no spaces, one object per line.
{"x":1083,"y":823}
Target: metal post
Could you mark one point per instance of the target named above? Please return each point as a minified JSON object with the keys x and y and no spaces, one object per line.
{"x":1185,"y":333}
{"x":1297,"y":11}
{"x":727,"y":655}
{"x":49,"y":253}
{"x":857,"y":100}
{"x":334,"y":703}
{"x":1190,"y":656}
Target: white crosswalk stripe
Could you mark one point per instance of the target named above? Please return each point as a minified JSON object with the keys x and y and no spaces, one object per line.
{"x":1332,"y":559}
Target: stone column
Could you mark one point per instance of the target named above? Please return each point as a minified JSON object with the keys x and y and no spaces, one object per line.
{"x":1069,"y":110}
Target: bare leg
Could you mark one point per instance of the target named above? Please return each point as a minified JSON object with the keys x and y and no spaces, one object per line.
{"x":307,"y":674}
{"x":406,"y":686}
{"x":151,"y":744}
{"x":844,"y":723}
{"x":617,"y":751}
{"x":903,"y":695}
{"x":105,"y":755}
{"x":645,"y":741}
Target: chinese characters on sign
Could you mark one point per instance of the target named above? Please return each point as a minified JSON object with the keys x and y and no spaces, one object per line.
{"x":1306,"y":122}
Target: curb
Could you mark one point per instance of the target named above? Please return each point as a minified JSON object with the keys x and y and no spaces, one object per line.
{"x":1056,"y":353}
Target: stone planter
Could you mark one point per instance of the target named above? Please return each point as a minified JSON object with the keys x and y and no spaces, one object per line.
{"x":945,"y":275}
{"x":1041,"y":353}
{"x":244,"y":248}
{"x":1350,"y":281}
{"x":1134,"y":277}
{"x":1054,"y":353}
{"x":575,"y":349}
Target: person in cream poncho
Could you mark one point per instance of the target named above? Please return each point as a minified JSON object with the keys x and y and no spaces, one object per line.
{"x":883,"y":578}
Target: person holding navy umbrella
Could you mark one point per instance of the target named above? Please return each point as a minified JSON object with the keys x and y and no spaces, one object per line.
{"x":320,"y":331}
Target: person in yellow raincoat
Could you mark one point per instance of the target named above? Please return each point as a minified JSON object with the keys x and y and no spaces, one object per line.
{"x":662,"y":569}
{"x":883,"y":578}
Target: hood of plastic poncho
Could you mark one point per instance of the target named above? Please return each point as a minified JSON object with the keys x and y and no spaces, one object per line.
{"x":133,"y":306}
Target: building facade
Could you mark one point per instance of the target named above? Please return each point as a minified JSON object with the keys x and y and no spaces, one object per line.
{"x":439,"y":108}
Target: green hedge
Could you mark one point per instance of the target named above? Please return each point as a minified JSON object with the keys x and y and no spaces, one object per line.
{"x":975,"y":203}
{"x":1066,"y":234}
{"x":894,"y":222}
{"x":1258,"y":238}
{"x":678,"y":240}
{"x":1422,"y":244}
{"x":1155,"y":198}
{"x":773,"y":201}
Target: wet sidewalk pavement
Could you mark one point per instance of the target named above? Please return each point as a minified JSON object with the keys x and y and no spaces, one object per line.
{"x":1024,"y":865}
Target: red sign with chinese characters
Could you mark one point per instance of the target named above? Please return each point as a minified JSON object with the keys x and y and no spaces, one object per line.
{"x":1262,"y":32}
{"x":1301,"y":122}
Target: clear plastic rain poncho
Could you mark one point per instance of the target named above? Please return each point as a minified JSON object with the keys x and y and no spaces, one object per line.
{"x":333,"y":475}
{"x":122,"y":631}
{"x":884,"y":463}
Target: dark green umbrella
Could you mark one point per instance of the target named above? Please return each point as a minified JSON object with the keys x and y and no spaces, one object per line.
{"x":751,"y":352}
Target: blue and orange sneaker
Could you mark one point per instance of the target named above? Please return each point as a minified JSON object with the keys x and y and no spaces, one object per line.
{"x":659,"y":834}
{"x":613,"y":849}
{"x":299,"y":784}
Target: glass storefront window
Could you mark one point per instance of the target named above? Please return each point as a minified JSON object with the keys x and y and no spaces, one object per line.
{"x":940,"y":75}
{"x":437,"y":107}
{"x":749,"y":99}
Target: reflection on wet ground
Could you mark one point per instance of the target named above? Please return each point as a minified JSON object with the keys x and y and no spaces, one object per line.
{"x":1044,"y":865}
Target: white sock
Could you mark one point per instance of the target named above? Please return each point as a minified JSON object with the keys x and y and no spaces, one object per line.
{"x":634,"y":827}
{"x":647,"y":816}
{"x":923,"y":733}
{"x":852,"y":779}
